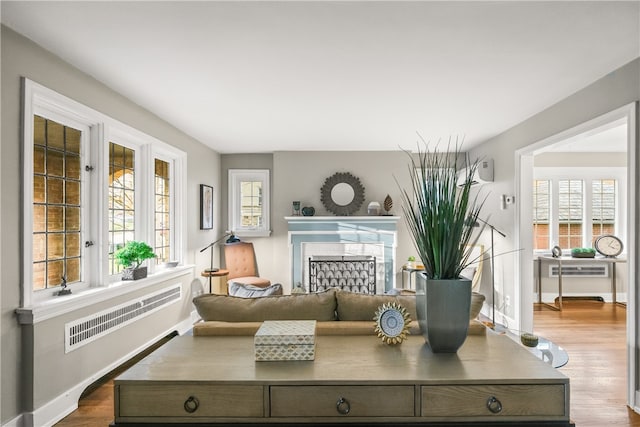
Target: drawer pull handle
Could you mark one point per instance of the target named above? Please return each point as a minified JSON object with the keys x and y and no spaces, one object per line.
{"x":343,"y":406}
{"x":494,"y":405}
{"x":191,"y":404}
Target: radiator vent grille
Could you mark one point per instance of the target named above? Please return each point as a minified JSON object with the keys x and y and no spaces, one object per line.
{"x":83,"y":331}
{"x":583,"y":270}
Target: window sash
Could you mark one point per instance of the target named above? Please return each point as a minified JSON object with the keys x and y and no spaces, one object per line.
{"x":249,"y":202}
{"x":57,"y":200}
{"x":541,"y":214}
{"x":121,"y":203}
{"x":163,"y":209}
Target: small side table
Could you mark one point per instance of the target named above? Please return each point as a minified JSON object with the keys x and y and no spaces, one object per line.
{"x":546,"y":350}
{"x":410,"y":270}
{"x":217,"y":281}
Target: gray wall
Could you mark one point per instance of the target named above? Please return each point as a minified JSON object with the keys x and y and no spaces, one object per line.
{"x":558,"y":159}
{"x":616,"y":89}
{"x":300,"y":175}
{"x":35,"y":350}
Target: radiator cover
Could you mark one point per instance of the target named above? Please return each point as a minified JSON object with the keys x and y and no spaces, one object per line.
{"x":89,"y":328}
{"x":582,"y":270}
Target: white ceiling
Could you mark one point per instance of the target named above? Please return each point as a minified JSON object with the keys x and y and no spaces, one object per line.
{"x":273,"y":76}
{"x":610,"y":138}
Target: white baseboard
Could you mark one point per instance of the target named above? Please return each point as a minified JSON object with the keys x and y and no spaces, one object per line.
{"x":61,"y":406}
{"x":501,"y":318}
{"x":16,"y":422}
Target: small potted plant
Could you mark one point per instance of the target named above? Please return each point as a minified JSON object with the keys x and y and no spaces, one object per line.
{"x":411,"y":262}
{"x":131,"y":256}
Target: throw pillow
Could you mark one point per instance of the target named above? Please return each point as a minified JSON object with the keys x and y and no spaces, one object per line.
{"x":250,"y":291}
{"x":318,"y":306}
{"x":354,"y":306}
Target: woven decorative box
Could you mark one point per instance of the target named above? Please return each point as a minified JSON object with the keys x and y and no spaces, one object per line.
{"x":286,"y":340}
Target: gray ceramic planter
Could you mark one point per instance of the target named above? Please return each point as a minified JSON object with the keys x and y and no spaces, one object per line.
{"x":443,"y":312}
{"x":134,"y":274}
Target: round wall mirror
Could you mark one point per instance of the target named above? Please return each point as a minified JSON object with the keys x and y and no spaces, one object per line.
{"x":342,"y":194}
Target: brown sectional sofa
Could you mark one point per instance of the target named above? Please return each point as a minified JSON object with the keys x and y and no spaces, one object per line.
{"x":336,"y":312}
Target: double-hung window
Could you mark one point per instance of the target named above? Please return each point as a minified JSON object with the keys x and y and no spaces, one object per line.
{"x":249,"y":202}
{"x":91,"y":184}
{"x":573,"y":206}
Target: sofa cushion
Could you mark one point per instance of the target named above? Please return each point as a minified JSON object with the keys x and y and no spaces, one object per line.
{"x":319,"y":306}
{"x":250,"y":291}
{"x":354,"y":306}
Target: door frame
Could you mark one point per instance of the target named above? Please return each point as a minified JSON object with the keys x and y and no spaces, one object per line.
{"x":524,"y":239}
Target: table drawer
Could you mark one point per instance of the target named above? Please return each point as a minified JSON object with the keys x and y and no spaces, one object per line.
{"x":187,"y":400}
{"x":342,"y":401}
{"x":546,"y":400}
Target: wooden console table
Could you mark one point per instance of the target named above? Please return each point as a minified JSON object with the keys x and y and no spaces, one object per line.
{"x":354,"y":380}
{"x":569,"y":260}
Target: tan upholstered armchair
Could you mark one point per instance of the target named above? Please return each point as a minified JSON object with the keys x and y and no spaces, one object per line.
{"x":240,"y":260}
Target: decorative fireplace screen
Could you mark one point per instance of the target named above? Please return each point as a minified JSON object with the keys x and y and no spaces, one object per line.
{"x":349,"y":273}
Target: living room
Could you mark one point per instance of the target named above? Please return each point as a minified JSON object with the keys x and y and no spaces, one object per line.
{"x":32,"y":350}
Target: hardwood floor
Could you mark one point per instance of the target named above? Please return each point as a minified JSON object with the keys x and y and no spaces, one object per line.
{"x":593,"y":333}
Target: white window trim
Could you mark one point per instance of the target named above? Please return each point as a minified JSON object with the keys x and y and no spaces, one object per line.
{"x":97,"y":285}
{"x":587,"y":175}
{"x":236,"y":176}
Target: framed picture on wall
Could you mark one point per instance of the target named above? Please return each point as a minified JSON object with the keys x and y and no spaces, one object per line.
{"x":206,"y":207}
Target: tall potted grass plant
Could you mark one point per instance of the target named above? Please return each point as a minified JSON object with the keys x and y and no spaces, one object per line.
{"x":441,"y":212}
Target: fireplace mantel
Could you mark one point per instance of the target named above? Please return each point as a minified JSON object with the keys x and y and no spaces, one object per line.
{"x":378,"y":232}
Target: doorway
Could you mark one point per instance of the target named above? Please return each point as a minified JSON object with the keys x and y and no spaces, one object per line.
{"x":620,"y":122}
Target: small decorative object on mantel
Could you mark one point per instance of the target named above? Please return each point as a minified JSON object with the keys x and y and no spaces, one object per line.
{"x":296,"y":208}
{"x":308,"y":211}
{"x":342,"y":194}
{"x":373,"y":208}
{"x":130,"y":256}
{"x":583,"y":253}
{"x":556,"y":251}
{"x":387,"y":204}
{"x":392,"y":323}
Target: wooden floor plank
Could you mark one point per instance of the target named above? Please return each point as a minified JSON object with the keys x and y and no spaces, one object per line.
{"x":593,"y":333}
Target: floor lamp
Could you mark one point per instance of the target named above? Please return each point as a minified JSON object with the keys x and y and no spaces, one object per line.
{"x":212,"y":269}
{"x":493,"y":270}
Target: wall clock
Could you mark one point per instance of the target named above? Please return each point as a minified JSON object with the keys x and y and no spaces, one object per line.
{"x":392,"y":323}
{"x":608,"y":245}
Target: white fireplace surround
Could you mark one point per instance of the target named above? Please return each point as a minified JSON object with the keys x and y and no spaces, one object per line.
{"x":338,"y":236}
